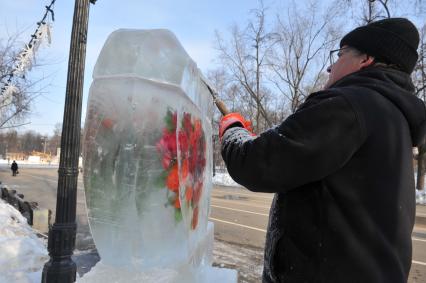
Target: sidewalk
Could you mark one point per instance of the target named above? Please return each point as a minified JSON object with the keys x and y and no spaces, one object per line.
{"x":421,"y":215}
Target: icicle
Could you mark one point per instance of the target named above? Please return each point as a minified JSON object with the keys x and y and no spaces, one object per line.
{"x":36,"y":44}
{"x":29,"y":58}
{"x":8,"y":94}
{"x":49,"y":33}
{"x":44,"y":32}
{"x":24,"y":60}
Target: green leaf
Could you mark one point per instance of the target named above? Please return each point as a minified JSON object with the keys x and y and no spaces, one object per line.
{"x":178,"y":215}
{"x":160,"y":180}
{"x":168,"y":120}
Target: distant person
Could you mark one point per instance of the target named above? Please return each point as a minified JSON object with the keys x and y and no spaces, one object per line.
{"x":14,"y":168}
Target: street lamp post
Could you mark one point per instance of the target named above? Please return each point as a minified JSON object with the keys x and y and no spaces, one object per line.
{"x":61,"y":268}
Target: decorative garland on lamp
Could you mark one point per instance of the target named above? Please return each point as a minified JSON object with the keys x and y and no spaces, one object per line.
{"x":25,"y":58}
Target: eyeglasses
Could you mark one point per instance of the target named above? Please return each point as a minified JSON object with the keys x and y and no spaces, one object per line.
{"x":335,"y":54}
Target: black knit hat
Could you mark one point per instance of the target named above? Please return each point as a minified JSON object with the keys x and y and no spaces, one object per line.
{"x":393,"y":41}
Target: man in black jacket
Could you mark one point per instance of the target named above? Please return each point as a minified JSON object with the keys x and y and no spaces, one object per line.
{"x":341,"y":165}
{"x":14,"y":168}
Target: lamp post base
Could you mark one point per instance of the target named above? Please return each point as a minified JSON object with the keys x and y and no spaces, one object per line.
{"x":60,"y":268}
{"x":63,"y":271}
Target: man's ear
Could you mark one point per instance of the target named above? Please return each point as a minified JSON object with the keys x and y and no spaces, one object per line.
{"x":367,"y":61}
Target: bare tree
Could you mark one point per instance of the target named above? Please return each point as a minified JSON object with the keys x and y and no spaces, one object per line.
{"x":376,"y":9}
{"x":55,"y":140}
{"x":14,"y":102}
{"x":8,"y":142}
{"x":419,"y":79}
{"x":244,"y":59}
{"x":30,"y":141}
{"x":230,"y":92}
{"x":17,"y":90}
{"x":301,"y":57}
{"x":367,"y":11}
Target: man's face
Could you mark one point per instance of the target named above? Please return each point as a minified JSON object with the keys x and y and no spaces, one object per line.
{"x":349,"y":61}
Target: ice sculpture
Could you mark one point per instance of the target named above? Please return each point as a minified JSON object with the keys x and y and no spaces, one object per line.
{"x":147,"y":157}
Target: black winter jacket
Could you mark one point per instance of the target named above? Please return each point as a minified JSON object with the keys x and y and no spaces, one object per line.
{"x":14,"y":166}
{"x":341,"y":170}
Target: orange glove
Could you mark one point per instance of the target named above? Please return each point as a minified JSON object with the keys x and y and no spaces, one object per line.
{"x":233,"y":119}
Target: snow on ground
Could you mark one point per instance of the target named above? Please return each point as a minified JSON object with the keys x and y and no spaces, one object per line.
{"x":27,"y":164}
{"x":421,"y":197}
{"x":223,"y":179}
{"x":22,"y":253}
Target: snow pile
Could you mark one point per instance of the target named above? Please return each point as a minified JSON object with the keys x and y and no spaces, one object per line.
{"x":105,"y":273}
{"x":421,"y":197}
{"x":223,"y":179}
{"x":28,"y":164}
{"x":22,"y":253}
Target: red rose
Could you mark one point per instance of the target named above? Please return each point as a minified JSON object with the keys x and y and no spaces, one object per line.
{"x":107,"y":123}
{"x":188,"y":193}
{"x":183,"y":142}
{"x":186,"y":122}
{"x":172,"y":181}
{"x":195,"y":218}
{"x":197,"y":192}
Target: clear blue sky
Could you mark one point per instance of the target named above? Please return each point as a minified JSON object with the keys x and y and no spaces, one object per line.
{"x":193,"y":22}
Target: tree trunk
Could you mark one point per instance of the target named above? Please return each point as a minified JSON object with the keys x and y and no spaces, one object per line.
{"x":421,"y":167}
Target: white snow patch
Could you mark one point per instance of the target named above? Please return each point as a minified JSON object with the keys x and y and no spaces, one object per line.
{"x":223,"y":179}
{"x":421,"y":196}
{"x":22,"y":253}
{"x":105,"y":273}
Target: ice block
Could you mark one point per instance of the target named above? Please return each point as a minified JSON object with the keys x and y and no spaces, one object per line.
{"x":148,"y":155}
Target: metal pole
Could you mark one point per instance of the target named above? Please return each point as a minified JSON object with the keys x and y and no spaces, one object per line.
{"x":61,"y":268}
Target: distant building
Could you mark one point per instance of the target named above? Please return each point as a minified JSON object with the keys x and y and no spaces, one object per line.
{"x":34,"y":159}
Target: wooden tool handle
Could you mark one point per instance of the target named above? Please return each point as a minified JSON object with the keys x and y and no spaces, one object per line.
{"x":221,"y":106}
{"x":219,"y":103}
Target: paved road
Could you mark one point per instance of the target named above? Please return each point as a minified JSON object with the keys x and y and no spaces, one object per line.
{"x":241,"y":216}
{"x":40,"y":185}
{"x":240,"y":219}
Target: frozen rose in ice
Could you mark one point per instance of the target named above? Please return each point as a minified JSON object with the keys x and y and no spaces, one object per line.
{"x":186,"y":122}
{"x":177,"y":202}
{"x":193,"y":160}
{"x":197,"y":129}
{"x":172,"y":181}
{"x":167,"y":160}
{"x":192,"y":146}
{"x":107,"y":123}
{"x":167,"y":147}
{"x":183,"y":142}
{"x":197,"y":192}
{"x":169,"y":141}
{"x":188,"y":193}
{"x":185,"y":169}
{"x":195,"y":218}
